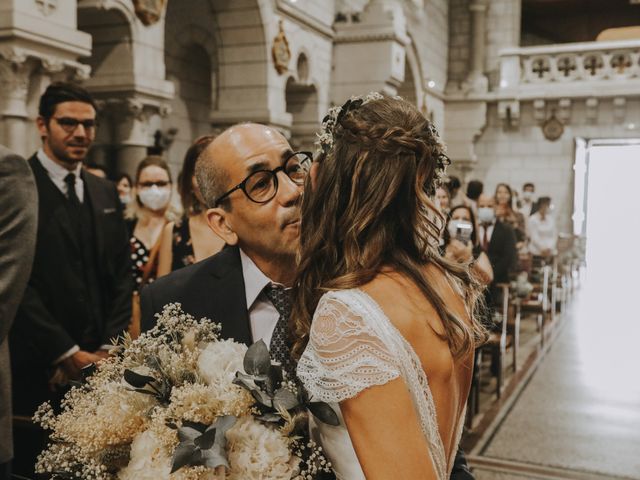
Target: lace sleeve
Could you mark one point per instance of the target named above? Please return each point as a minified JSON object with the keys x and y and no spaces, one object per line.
{"x":344,"y":355}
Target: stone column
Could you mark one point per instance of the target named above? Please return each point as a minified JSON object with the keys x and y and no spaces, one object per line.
{"x":477,"y":81}
{"x":15,"y":73}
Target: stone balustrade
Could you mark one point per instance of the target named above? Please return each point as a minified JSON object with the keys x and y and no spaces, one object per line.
{"x":582,"y":68}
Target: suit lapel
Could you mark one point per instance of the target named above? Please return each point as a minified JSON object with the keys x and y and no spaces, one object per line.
{"x":228,"y":298}
{"x":92,"y":195}
{"x":51,"y":201}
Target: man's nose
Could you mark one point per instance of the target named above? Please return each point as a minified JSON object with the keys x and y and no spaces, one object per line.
{"x":288,"y":191}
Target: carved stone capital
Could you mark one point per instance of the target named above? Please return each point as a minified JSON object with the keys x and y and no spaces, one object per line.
{"x":539,"y":113}
{"x":564,"y":110}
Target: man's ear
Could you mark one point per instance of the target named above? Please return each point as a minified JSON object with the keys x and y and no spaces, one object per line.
{"x":42,"y":124}
{"x":218,"y":221}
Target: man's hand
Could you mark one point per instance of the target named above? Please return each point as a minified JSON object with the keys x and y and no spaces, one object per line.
{"x":103,"y":354}
{"x":76,"y":362}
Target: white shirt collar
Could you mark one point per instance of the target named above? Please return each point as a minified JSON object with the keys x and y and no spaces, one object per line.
{"x":254,"y":279}
{"x":55,"y":170}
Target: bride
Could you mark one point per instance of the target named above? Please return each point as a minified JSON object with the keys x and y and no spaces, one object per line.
{"x":385,"y":325}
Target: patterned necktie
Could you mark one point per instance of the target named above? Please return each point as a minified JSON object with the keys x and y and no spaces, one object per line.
{"x":279,"y":347}
{"x":70,"y":180}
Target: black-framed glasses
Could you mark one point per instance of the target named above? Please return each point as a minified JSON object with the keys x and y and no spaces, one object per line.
{"x":69,"y":124}
{"x":262,"y":185}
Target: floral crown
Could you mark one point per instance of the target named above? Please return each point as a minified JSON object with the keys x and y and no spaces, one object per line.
{"x":326,"y":137}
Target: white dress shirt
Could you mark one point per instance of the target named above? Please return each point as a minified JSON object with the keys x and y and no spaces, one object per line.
{"x":543,"y":233}
{"x":263,"y":316}
{"x":57,"y":174}
{"x":481,"y":229}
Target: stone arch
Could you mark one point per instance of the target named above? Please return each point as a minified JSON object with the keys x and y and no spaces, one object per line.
{"x":112,"y":26}
{"x":412,"y":89}
{"x":191,"y":64}
{"x":302,"y":104}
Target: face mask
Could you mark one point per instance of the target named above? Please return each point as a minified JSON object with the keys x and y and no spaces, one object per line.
{"x":486,"y":215}
{"x":460,"y":229}
{"x":125,"y":198}
{"x":154,"y":197}
{"x":527,"y":196}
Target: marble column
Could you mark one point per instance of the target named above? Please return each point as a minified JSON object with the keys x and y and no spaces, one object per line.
{"x":477,"y":80}
{"x":15,"y":73}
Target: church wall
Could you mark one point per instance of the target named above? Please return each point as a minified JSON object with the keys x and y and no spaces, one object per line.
{"x":524,"y":155}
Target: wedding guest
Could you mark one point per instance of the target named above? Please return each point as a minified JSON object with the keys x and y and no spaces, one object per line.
{"x":252,"y":182}
{"x":465,"y":248}
{"x":455,"y":192}
{"x":497,"y":239}
{"x":147,"y":215}
{"x":443,"y":199}
{"x":78,"y":296}
{"x":190,"y":239}
{"x":542,"y":230}
{"x":505,"y":213}
{"x":18,"y":224}
{"x":124,"y":186}
{"x":474,"y":190}
{"x":528,"y":204}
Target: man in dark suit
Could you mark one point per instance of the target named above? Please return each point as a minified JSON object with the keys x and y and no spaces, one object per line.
{"x":252,"y":182}
{"x":497,"y":239}
{"x":79,"y":294}
{"x":18,"y":223}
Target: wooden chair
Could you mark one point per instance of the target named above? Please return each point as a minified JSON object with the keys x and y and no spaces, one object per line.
{"x":500,"y":340}
{"x":538,"y":304}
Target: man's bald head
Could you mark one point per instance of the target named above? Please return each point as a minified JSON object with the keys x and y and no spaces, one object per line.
{"x":486,"y":201}
{"x":236,"y":145}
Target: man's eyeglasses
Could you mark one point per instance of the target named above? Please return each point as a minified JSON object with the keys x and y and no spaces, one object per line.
{"x":261,"y":186}
{"x":69,"y":125}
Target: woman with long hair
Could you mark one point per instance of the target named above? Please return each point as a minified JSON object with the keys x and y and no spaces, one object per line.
{"x":385,"y":325}
{"x":190,"y":239}
{"x":147,"y":215}
{"x":461,"y":243}
{"x":505,"y":212}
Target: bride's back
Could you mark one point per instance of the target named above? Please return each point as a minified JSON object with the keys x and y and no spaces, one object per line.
{"x":406,"y":306}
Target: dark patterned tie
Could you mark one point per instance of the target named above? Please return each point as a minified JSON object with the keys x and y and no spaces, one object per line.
{"x":70,"y":180}
{"x":279,"y":347}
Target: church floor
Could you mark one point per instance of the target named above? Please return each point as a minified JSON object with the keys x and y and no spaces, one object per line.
{"x":577,"y":415}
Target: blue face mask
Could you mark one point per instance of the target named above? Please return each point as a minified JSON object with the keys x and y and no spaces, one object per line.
{"x":486,"y":215}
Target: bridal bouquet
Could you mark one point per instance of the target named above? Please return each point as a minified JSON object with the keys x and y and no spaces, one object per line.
{"x":181,"y":403}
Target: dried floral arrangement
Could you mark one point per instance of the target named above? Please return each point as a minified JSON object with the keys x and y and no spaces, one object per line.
{"x":181,"y":403}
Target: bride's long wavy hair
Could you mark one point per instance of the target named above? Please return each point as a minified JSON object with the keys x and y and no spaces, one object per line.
{"x":370,"y":209}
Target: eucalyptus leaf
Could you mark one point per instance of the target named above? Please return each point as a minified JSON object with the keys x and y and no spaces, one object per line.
{"x":284,"y":399}
{"x":269,"y":417}
{"x":214,"y":457}
{"x":188,"y":434}
{"x":137,"y":380}
{"x":183,"y":456}
{"x":199,"y":426}
{"x":244,"y":380}
{"x":206,"y":440}
{"x":262,"y":398}
{"x":257,"y":360}
{"x":323,"y":412}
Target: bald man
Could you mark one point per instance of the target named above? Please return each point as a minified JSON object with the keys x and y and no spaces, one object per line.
{"x":252,"y":182}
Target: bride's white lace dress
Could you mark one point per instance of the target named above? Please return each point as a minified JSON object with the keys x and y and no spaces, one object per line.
{"x":353,"y":346}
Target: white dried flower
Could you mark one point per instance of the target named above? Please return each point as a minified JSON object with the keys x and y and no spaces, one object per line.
{"x":149,"y":460}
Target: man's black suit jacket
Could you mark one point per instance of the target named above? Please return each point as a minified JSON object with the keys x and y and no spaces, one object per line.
{"x":213,"y":288}
{"x":502,"y":252}
{"x":51,"y":318}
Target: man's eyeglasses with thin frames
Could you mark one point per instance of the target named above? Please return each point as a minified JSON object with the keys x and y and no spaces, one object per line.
{"x":70,"y":125}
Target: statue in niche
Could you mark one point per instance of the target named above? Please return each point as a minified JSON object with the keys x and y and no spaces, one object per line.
{"x":148,"y":11}
{"x":280,"y":51}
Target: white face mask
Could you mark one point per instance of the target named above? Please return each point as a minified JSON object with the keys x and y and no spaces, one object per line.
{"x":125,"y":198}
{"x":527,"y":196}
{"x":486,"y":215}
{"x":154,"y":197}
